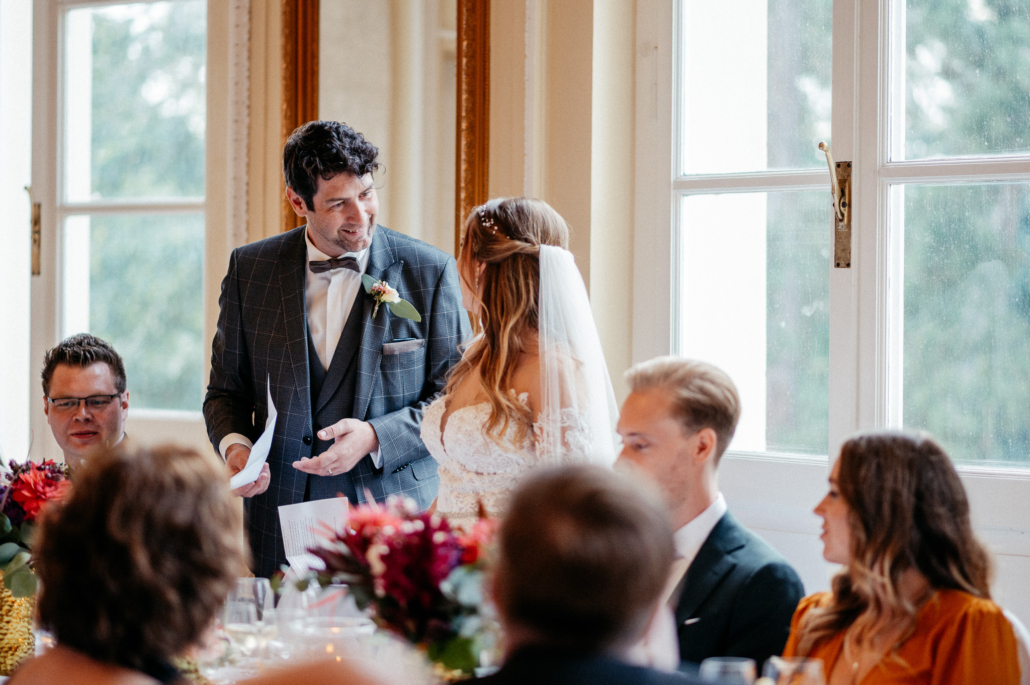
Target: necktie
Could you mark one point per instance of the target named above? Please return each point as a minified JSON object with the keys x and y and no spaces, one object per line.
{"x":330,"y":264}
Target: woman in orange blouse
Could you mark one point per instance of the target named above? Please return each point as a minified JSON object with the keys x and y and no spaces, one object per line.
{"x":913,"y":603}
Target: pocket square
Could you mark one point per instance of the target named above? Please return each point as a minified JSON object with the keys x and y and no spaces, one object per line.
{"x":691,"y":621}
{"x":402,"y":346}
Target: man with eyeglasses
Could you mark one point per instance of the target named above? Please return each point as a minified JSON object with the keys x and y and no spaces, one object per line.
{"x":84,"y":395}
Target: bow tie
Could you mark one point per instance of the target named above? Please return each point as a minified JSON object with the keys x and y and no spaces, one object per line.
{"x":330,"y":264}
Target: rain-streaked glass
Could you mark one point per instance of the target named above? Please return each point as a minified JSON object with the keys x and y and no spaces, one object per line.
{"x":966,"y":375}
{"x":137,"y":282}
{"x":135,"y":101}
{"x":965,"y":81}
{"x":754,"y":300}
{"x":754,"y":84}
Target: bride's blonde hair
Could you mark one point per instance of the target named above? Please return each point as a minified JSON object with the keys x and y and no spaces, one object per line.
{"x":505,"y":234}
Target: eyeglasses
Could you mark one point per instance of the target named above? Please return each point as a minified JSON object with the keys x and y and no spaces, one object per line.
{"x":92,"y":402}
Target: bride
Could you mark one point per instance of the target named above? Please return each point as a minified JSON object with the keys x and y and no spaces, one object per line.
{"x":532,"y":388}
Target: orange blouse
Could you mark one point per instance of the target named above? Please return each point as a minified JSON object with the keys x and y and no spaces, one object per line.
{"x":959,"y":639}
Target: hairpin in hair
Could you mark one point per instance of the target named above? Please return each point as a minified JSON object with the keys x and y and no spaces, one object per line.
{"x":487,"y":221}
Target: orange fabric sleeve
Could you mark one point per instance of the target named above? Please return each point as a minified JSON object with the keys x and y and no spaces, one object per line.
{"x":977,"y":645}
{"x":806,"y":604}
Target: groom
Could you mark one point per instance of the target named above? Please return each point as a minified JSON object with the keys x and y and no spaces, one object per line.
{"x":349,"y":388}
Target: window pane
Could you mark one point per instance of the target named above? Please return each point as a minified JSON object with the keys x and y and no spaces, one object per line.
{"x":137,"y":282}
{"x":966,"y":79}
{"x":135,"y":100}
{"x":755,"y":84}
{"x":967,"y":318}
{"x":755,"y":286}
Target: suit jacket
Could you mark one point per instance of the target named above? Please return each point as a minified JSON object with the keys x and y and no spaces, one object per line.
{"x":262,"y":332}
{"x":737,"y":598}
{"x":552,"y":666}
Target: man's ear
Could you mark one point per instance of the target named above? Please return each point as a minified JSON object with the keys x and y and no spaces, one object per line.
{"x":706,"y":442}
{"x":46,"y":408}
{"x":297,"y":202}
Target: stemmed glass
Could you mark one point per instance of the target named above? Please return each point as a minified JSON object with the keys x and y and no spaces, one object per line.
{"x":249,"y":619}
{"x":730,"y":670}
{"x":794,"y":671}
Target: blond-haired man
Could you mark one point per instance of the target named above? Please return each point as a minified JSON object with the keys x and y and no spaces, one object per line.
{"x":737,"y":594}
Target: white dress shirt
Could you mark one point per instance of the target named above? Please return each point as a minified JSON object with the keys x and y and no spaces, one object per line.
{"x":328,"y":298}
{"x":689,"y":539}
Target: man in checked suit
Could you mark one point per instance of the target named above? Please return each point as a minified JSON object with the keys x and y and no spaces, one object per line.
{"x":735,"y":594}
{"x":349,"y":388}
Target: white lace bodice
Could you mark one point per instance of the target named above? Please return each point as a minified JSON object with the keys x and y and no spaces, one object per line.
{"x":473,"y":467}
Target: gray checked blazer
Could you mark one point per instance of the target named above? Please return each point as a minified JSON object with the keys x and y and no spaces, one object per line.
{"x":262,"y":333}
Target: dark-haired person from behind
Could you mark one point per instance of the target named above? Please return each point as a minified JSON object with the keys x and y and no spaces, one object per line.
{"x":133,"y":566}
{"x":584,"y":557}
{"x":913,"y":602}
{"x":295,"y":322}
{"x":84,"y":396}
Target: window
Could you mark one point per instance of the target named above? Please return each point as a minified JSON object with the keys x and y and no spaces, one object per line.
{"x":131,"y":190}
{"x":930,"y":327}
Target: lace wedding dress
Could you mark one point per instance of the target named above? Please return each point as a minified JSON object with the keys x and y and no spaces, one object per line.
{"x":475,"y":469}
{"x":577,"y":417}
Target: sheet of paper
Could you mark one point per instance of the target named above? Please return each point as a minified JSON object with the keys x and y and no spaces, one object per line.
{"x":259,"y":452}
{"x":305,"y":525}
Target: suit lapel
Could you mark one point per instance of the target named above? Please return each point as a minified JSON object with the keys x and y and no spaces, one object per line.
{"x":382,"y":265}
{"x":291,"y":266}
{"x":712,"y":564}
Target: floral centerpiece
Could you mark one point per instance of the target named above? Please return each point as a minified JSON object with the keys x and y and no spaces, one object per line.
{"x":25,"y":489}
{"x":418,"y":578}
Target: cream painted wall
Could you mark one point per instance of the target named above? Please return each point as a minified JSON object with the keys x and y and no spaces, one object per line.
{"x":562,"y":128}
{"x":264,"y":148}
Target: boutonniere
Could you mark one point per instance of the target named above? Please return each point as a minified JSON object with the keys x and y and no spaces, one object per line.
{"x":384,"y":293}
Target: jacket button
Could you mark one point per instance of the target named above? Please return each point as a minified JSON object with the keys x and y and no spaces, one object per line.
{"x":307,"y":440}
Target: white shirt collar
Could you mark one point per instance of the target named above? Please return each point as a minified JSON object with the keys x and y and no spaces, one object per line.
{"x":689,"y":539}
{"x":316,"y":255}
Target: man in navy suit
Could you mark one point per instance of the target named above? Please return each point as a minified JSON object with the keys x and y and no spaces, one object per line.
{"x":349,"y":381}
{"x":584,"y":556}
{"x":737,"y":595}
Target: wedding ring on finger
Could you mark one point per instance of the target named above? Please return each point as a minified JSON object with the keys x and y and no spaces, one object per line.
{"x":330,"y":471}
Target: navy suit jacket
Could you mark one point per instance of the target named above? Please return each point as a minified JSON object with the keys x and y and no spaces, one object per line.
{"x":551,"y":666}
{"x":737,"y":598}
{"x":262,"y":333}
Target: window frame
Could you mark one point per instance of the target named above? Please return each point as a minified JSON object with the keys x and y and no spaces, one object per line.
{"x":774,"y":493}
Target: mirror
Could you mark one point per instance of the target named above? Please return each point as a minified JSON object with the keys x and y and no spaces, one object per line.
{"x":389,"y":70}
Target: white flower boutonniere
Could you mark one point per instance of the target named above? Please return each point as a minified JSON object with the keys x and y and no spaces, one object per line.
{"x":384,"y":293}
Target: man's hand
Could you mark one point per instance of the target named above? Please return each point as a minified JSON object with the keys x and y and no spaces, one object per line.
{"x":236,"y":458}
{"x":354,"y":439}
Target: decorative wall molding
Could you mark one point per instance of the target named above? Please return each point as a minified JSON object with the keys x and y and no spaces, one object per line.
{"x":473,"y":109}
{"x":299,"y":77}
{"x":236,"y":219}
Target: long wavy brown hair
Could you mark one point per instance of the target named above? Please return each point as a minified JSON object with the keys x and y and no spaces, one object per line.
{"x":908,"y":510}
{"x":505,"y":234}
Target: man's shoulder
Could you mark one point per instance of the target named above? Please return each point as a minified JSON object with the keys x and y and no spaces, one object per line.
{"x":270,"y":247}
{"x":585,"y":671}
{"x":414,"y":250}
{"x":752,"y":554}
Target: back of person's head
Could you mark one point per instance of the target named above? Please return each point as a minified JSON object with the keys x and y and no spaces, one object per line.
{"x":909,"y":510}
{"x":82,"y":350}
{"x":323,"y":149}
{"x":702,"y":395}
{"x":584,"y":556}
{"x":139,"y":557}
{"x":505,"y":235}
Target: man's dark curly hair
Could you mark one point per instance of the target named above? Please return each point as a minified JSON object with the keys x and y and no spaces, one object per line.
{"x":82,"y":350}
{"x":137,"y":560}
{"x":325,"y":149}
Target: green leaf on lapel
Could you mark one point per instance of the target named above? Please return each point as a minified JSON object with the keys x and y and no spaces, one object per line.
{"x":405,"y":310}
{"x":368,"y":282}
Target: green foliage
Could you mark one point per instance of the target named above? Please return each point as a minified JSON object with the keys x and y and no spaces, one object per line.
{"x":457,"y":653}
{"x":5,"y":525}
{"x":148,"y":121}
{"x":8,"y":550}
{"x":405,"y":310}
{"x":21,"y":581}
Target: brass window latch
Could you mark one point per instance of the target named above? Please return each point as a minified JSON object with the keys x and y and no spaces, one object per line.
{"x":37,"y":236}
{"x":840,"y":186}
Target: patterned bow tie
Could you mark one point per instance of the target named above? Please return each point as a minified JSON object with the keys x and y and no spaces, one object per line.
{"x":330,"y":264}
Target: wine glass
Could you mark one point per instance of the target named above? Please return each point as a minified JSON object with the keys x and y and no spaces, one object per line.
{"x":731,"y":670}
{"x":794,"y":671}
{"x":255,"y":593}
